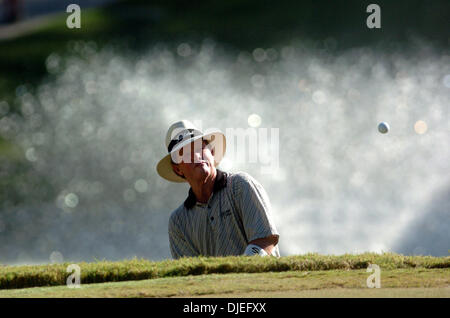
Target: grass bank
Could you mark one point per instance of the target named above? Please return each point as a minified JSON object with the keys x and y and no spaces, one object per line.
{"x":12,"y":277}
{"x":407,"y":282}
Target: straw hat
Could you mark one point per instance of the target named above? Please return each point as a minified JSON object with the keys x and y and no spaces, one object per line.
{"x":181,"y":134}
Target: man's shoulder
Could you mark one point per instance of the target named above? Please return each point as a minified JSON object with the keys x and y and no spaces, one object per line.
{"x":241,"y":181}
{"x":240,"y":177}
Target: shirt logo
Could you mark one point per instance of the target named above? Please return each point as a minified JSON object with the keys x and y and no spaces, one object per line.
{"x":225,"y":213}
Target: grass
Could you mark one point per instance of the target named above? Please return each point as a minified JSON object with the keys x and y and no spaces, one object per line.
{"x":12,"y":277}
{"x":405,"y":282}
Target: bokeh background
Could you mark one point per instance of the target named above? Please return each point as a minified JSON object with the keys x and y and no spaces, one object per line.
{"x":84,"y":112}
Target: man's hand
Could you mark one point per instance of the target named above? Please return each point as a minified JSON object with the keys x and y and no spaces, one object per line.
{"x":266,"y":243}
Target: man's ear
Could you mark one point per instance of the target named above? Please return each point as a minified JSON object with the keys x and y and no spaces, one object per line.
{"x":177,"y":170}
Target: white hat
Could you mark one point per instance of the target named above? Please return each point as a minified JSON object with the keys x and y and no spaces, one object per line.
{"x":181,"y":134}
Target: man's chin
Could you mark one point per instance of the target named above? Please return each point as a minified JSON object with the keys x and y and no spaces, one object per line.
{"x":204,"y":169}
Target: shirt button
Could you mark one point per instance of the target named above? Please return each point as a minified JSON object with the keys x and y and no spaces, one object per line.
{"x":212,"y":218}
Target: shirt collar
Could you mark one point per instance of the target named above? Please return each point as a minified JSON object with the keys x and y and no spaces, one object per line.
{"x":219,"y":183}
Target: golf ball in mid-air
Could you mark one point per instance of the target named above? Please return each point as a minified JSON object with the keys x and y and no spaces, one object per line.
{"x":383,"y":127}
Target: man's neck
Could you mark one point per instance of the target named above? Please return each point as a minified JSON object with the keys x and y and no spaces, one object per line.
{"x":204,"y":188}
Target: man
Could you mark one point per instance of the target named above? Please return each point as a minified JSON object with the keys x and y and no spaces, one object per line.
{"x":224,"y":213}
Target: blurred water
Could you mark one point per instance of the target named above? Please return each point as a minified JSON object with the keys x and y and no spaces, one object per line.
{"x":95,"y":130}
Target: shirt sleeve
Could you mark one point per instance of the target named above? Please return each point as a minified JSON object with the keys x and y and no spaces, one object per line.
{"x":179,"y":246}
{"x":254,"y":205}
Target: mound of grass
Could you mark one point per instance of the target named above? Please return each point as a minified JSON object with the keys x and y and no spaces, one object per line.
{"x":410,"y":282}
{"x":103,"y":271}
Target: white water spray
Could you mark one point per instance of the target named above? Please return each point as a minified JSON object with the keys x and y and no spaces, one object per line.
{"x":96,"y":132}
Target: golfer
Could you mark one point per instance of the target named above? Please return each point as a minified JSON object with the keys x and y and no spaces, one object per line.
{"x":224,"y":213}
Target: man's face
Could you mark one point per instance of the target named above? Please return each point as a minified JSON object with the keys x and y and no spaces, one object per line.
{"x":196,"y":161}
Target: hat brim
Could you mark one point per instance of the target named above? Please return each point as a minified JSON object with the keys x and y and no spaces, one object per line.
{"x":164,"y":166}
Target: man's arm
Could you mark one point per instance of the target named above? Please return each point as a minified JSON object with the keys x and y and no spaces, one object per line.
{"x":255,"y":209}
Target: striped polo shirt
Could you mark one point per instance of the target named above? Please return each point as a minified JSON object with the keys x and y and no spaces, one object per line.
{"x":237,"y":213}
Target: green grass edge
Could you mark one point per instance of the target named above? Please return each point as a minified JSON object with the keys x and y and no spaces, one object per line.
{"x":12,"y":277}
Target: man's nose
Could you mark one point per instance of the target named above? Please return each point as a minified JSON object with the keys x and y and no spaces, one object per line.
{"x":197,"y":156}
{"x":196,"y":152}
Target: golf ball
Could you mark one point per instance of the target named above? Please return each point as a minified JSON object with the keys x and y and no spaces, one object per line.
{"x":383,"y":127}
